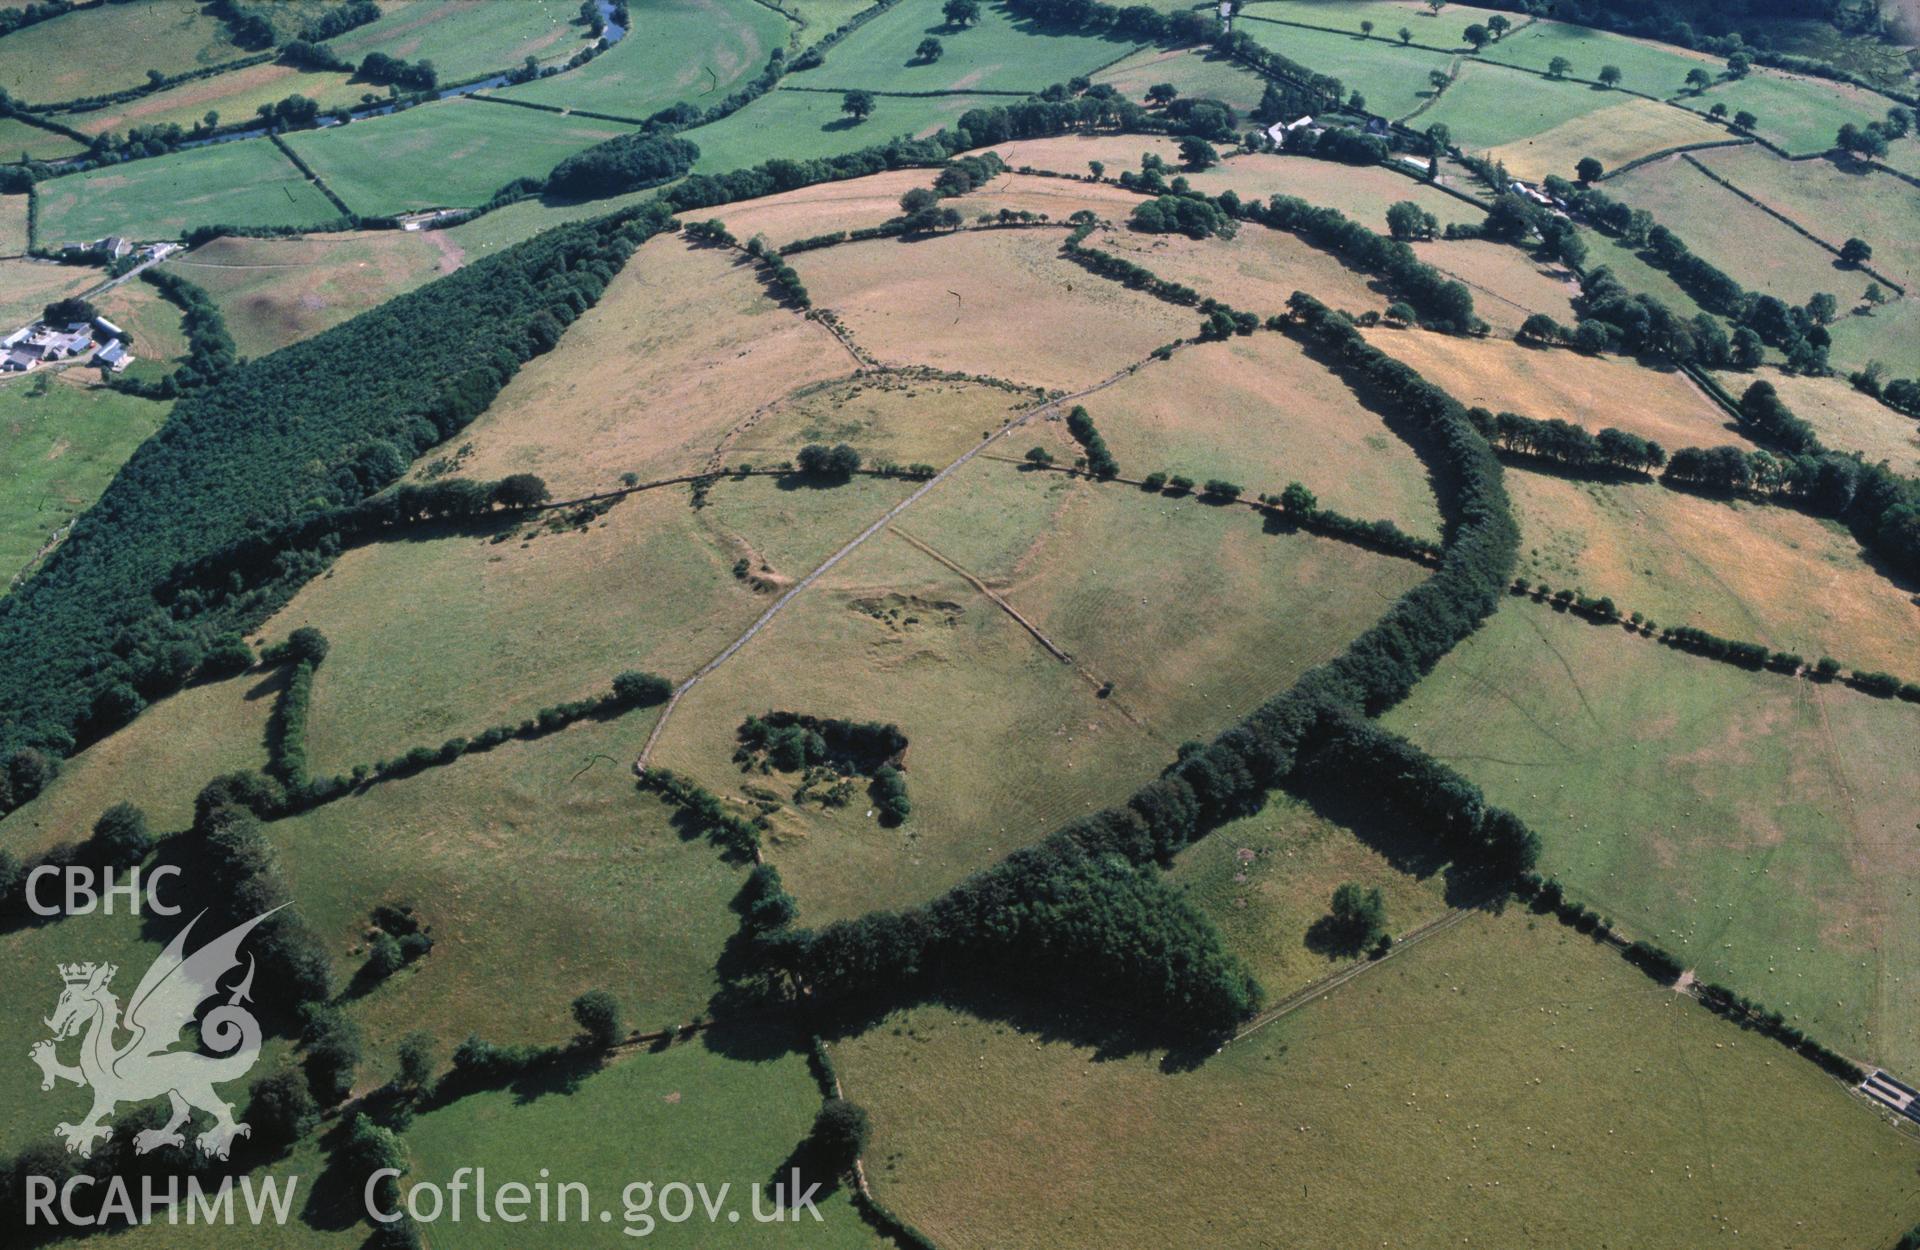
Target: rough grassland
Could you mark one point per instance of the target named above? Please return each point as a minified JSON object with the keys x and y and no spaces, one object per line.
{"x":110,"y":48}
{"x":1392,"y":78}
{"x":1508,"y":1077}
{"x":884,"y":417}
{"x":273,"y":292}
{"x":234,"y":96}
{"x":1802,"y":115}
{"x":1508,"y":284}
{"x":997,"y":53}
{"x":1055,"y":198}
{"x":683,"y":347}
{"x":27,"y":286}
{"x":18,"y":140}
{"x":1193,"y":74}
{"x":473,"y":148}
{"x":246,"y":183}
{"x":1613,"y":136}
{"x":802,"y":125}
{"x":1843,"y":417}
{"x":1259,"y":412}
{"x":725,"y":1116}
{"x":699,"y":51}
{"x":1003,"y":302}
{"x":1361,"y":192}
{"x":1835,"y":202}
{"x":58,"y":451}
{"x":467,"y":38}
{"x":1590,"y":391}
{"x":1757,"y":250}
{"x":1256,"y":271}
{"x":543,"y":875}
{"x":1758,"y":827}
{"x":1491,"y":105}
{"x":1767,"y":575}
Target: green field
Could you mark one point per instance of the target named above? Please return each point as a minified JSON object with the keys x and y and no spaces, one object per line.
{"x":998,"y":53}
{"x":1890,"y":335}
{"x":468,"y":39}
{"x":1802,"y":115}
{"x":234,"y":96}
{"x":1489,"y":105}
{"x":1506,"y":1083}
{"x":1747,"y":822}
{"x":1440,"y":30}
{"x":21,"y":142}
{"x":816,"y":19}
{"x":1392,"y":78}
{"x":677,"y":51}
{"x":1191,"y":72}
{"x":473,"y":148}
{"x":107,"y":48}
{"x":60,"y":444}
{"x":1834,"y":202}
{"x":246,"y":183}
{"x":1649,"y":68}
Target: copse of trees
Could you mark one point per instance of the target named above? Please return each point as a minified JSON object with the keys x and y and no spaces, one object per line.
{"x":1197,"y":218}
{"x":378,"y":67}
{"x":837,"y":463}
{"x":1100,"y":461}
{"x":1443,"y":303}
{"x":628,"y":162}
{"x":210,"y":348}
{"x":1565,"y":443}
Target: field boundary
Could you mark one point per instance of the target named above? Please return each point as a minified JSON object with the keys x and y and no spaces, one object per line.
{"x":1783,"y":219}
{"x":307,"y":170}
{"x":556,"y":110}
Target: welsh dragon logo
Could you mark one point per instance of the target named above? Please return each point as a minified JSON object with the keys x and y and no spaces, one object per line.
{"x":145,"y":1066}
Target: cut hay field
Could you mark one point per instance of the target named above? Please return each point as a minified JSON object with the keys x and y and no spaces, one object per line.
{"x":802,"y":125}
{"x":106,"y":48}
{"x":1757,"y":250}
{"x":1361,"y":192}
{"x":273,"y":292}
{"x":245,"y":183}
{"x":1392,"y":78}
{"x":466,"y":39}
{"x":1256,"y":271}
{"x":474,"y":149}
{"x":542,"y":873}
{"x":1508,"y":1076}
{"x":1509,"y":285}
{"x":683,"y":347}
{"x":1260,"y":412}
{"x":1843,"y":417}
{"x":1835,"y":202}
{"x":1008,"y":741}
{"x":1799,"y":114}
{"x":235,"y":96}
{"x":19,"y":141}
{"x":1000,"y":52}
{"x":1758,"y":827}
{"x":692,"y":50}
{"x":1590,"y":391}
{"x":1192,"y":73}
{"x":28,"y":286}
{"x":925,"y":302}
{"x":1747,"y":571}
{"x":1613,"y":135}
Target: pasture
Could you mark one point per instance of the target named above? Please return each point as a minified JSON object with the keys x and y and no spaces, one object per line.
{"x":1890,"y":335}
{"x":1509,"y":284}
{"x":1489,"y":106}
{"x":1752,"y":824}
{"x":234,"y":96}
{"x":925,"y":302}
{"x":1255,"y":271}
{"x":886,"y":417}
{"x":474,"y":149}
{"x":1614,"y":136}
{"x":22,"y":142}
{"x":1260,"y":412}
{"x":154,"y":324}
{"x":1507,"y":1076}
{"x":998,"y":53}
{"x":1440,"y":30}
{"x":13,"y":226}
{"x":698,"y":52}
{"x":1758,"y":251}
{"x":1799,"y":114}
{"x":1655,"y":69}
{"x":273,"y":292}
{"x":1192,"y":73}
{"x":1835,"y":202}
{"x":802,"y":125}
{"x":1361,"y":192}
{"x":1392,"y":78}
{"x":1069,"y":154}
{"x":245,"y":183}
{"x":468,"y":39}
{"x":101,"y":49}
{"x":1843,"y":417}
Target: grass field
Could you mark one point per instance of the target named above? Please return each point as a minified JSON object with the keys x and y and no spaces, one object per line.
{"x":1191,"y":72}
{"x":1440,"y":30}
{"x":883,"y":416}
{"x":19,"y":141}
{"x":1392,"y":78}
{"x":1758,"y":251}
{"x":154,"y":324}
{"x":102,"y":49}
{"x":1507,"y":1077}
{"x":1361,"y":192}
{"x":1590,"y":391}
{"x":1802,"y":115}
{"x":246,"y":183}
{"x":1256,"y":271}
{"x":699,"y":52}
{"x":1656,"y":69}
{"x":1891,"y":335}
{"x":997,"y":53}
{"x":28,"y":286}
{"x":683,"y":347}
{"x":802,"y":125}
{"x":273,"y":292}
{"x":1833,"y":201}
{"x":1259,"y":412}
{"x":925,"y":302}
{"x":1613,"y":135}
{"x":13,"y":225}
{"x":1754,"y":825}
{"x":1843,"y":417}
{"x":1637,"y":274}
{"x":234,"y":96}
{"x":1069,"y":154}
{"x":1508,"y":284}
{"x":468,"y":38}
{"x":1489,"y":106}
{"x":816,"y":19}
{"x":1768,"y":575}
{"x":474,"y":149}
